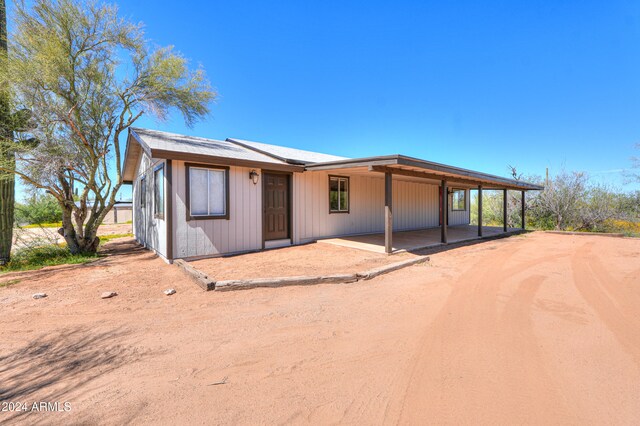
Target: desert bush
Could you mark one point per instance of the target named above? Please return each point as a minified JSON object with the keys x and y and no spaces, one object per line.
{"x":28,"y":258}
{"x":38,"y":209}
{"x":569,"y":202}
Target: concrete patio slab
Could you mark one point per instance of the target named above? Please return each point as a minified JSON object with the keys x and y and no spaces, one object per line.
{"x":404,"y":241}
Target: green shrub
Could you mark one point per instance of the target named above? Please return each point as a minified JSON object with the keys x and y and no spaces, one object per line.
{"x":38,"y":257}
{"x":38,"y":209}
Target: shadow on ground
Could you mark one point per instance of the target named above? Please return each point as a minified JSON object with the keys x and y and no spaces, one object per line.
{"x":54,"y":366}
{"x":451,"y":246}
{"x":109,"y":254}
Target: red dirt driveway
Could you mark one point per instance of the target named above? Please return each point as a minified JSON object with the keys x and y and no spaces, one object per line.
{"x":534,"y":329}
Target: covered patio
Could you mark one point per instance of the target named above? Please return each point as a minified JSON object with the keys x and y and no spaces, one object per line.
{"x":406,"y":241}
{"x":447,"y":178}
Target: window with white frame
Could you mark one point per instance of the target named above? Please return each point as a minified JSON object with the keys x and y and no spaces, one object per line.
{"x":208,"y":189}
{"x":338,"y":194}
{"x":458,"y":199}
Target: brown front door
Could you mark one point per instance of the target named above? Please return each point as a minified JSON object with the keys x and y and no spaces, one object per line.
{"x":276,"y":206}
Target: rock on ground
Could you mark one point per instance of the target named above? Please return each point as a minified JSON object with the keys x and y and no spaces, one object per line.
{"x":108,"y":294}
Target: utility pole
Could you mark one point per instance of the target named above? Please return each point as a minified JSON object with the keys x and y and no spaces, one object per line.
{"x":546,"y":181}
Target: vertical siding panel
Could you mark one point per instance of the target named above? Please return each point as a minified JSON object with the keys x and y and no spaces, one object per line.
{"x":245,"y":224}
{"x":294,"y":209}
{"x":308,"y":206}
{"x":397,"y":211}
{"x":415,"y":207}
{"x":403,"y":202}
{"x":317,"y":211}
{"x":396,"y":202}
{"x":408,"y":217}
{"x":417,"y":210}
{"x":406,"y":187}
{"x":403,"y":206}
{"x":316,"y":205}
{"x":257,"y":217}
{"x":410,"y":198}
{"x":371,"y":204}
{"x":235,"y":231}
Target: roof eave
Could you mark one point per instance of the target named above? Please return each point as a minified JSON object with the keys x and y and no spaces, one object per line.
{"x":402,"y":160}
{"x":128,"y":168}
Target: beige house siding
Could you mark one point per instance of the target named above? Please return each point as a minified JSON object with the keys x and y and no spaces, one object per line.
{"x":241,"y":232}
{"x":415,"y":206}
{"x":148,"y":230}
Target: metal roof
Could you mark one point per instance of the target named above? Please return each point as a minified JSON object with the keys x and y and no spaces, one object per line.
{"x":159,"y":144}
{"x":289,"y":155}
{"x":172,"y":142}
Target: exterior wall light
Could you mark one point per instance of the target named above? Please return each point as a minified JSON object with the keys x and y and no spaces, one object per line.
{"x":254,"y":176}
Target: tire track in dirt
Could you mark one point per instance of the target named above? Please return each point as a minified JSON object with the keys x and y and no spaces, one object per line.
{"x":432,"y":343}
{"x":449,"y":381}
{"x":537,"y":390}
{"x":610,"y":301}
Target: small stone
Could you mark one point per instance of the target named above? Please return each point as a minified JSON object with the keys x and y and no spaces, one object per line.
{"x":40,"y":295}
{"x":169,"y":291}
{"x":108,"y":294}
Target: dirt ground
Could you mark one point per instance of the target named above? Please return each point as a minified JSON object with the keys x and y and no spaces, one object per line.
{"x":533,"y":329}
{"x":309,"y":259}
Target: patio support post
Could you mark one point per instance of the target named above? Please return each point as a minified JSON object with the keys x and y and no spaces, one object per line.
{"x":445,"y":208}
{"x":479,"y":210}
{"x":388,"y":212}
{"x":524,"y":224}
{"x":504,"y":210}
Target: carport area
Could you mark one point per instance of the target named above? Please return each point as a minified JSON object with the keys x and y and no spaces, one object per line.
{"x":406,"y":241}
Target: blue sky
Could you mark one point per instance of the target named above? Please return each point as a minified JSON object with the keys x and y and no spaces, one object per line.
{"x":533,"y":84}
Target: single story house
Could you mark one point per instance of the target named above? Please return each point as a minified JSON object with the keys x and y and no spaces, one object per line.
{"x":195,"y":197}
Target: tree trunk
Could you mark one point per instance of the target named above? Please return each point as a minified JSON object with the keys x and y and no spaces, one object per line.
{"x":7,"y":179}
{"x":77,"y":243}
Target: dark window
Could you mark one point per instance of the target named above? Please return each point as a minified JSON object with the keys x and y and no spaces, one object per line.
{"x":158,"y":192}
{"x":208,"y":189}
{"x":338,"y":194}
{"x":143,"y":192}
{"x":458,"y":199}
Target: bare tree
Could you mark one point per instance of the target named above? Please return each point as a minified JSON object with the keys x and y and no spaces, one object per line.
{"x":87,"y":75}
{"x":598,"y":205}
{"x":561,"y":198}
